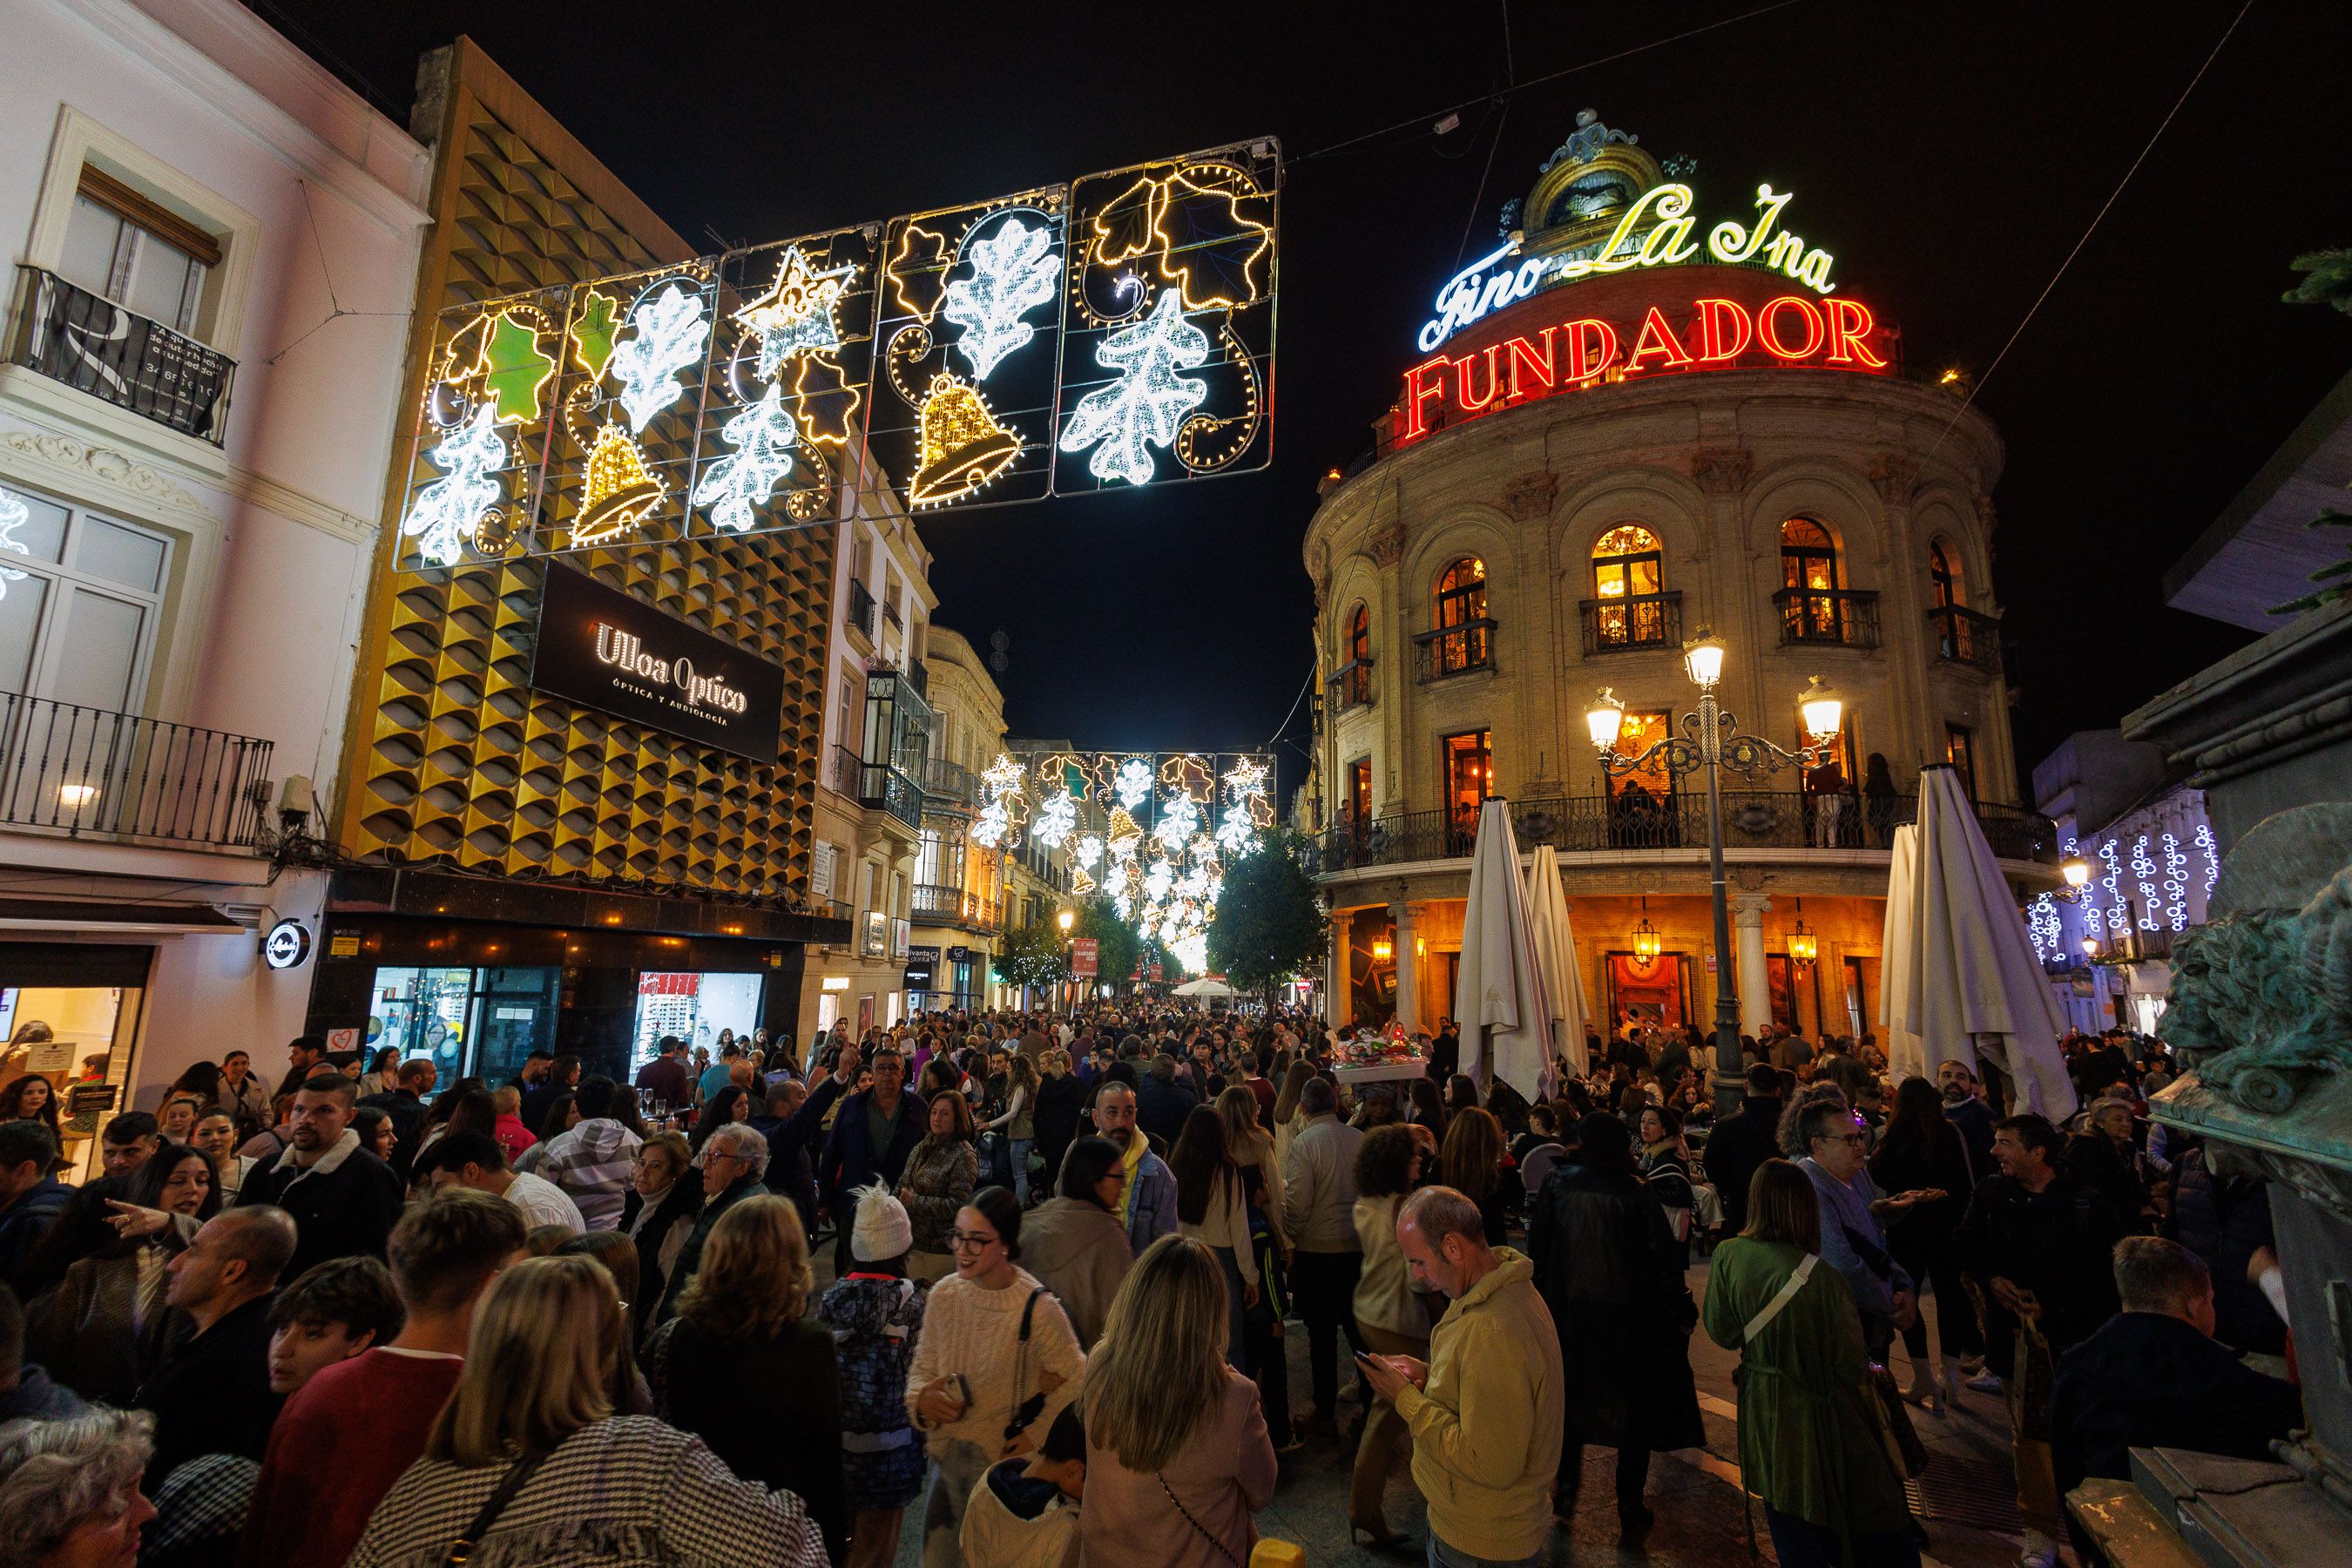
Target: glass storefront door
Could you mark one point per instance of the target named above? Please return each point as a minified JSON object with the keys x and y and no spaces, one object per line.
{"x":695,"y":1007}
{"x":78,"y":1037}
{"x":472,"y":1023}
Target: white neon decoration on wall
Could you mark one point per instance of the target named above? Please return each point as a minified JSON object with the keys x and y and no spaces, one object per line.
{"x":2119,"y":908}
{"x":2212,"y":853}
{"x":2176,"y":883}
{"x":2143,"y":871}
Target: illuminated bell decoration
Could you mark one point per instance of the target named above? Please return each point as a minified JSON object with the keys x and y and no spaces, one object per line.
{"x":1123,"y":834}
{"x":963,"y":446}
{"x":622,"y":492}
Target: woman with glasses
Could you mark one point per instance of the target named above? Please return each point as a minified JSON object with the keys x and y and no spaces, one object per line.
{"x":1811,"y":1433}
{"x":658,"y":1215}
{"x":939,"y":1178}
{"x":996,"y":1362}
{"x":601,"y":1488}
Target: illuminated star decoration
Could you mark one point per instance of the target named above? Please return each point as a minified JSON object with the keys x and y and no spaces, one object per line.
{"x":13,"y":514}
{"x":1148,"y":402}
{"x":1013,"y":270}
{"x":1133,"y":785}
{"x":671,"y":333}
{"x":763,"y":437}
{"x":447,"y":509}
{"x":795,"y":315}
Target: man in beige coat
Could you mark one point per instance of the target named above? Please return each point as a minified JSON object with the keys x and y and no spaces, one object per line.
{"x":1486,"y":1409}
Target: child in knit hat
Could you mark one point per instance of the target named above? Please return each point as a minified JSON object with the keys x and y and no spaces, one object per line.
{"x":875,"y":1313}
{"x":1025,"y":1511}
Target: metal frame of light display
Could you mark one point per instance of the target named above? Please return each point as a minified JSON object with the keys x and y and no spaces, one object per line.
{"x":1107,"y":333}
{"x":1152,"y":831}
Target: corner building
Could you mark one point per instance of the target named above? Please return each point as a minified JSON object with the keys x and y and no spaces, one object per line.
{"x":1651,"y":415}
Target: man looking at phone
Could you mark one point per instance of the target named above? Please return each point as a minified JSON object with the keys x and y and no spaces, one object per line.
{"x":2039,"y":1246}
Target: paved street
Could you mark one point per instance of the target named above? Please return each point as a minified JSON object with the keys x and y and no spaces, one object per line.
{"x":1965,"y":1496}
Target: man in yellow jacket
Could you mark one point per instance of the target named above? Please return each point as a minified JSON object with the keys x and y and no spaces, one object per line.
{"x":1486,"y":1409}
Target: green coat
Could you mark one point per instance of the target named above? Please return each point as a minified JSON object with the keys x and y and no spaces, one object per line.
{"x":1810,"y":1431}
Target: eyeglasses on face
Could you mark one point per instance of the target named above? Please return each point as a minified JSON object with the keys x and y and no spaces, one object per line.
{"x":970,"y":1241}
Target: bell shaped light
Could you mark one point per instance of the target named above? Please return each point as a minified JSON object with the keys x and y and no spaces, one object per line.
{"x":1704,"y":660}
{"x":2076,"y":870}
{"x":1823,"y":709}
{"x":1605,"y":719}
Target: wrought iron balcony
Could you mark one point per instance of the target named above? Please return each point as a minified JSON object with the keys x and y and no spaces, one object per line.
{"x":1812,"y":616}
{"x":890,"y":612}
{"x":1351,"y":685}
{"x":1633,"y":621}
{"x":1449,"y":651}
{"x":879,"y":786}
{"x":970,"y":912}
{"x":76,"y":770}
{"x":861,"y":610}
{"x":119,"y":357}
{"x":1966,"y":637}
{"x":1635,"y":819}
{"x":950,"y":787}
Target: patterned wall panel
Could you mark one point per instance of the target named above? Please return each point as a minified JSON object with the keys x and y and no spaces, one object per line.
{"x":461,"y":763}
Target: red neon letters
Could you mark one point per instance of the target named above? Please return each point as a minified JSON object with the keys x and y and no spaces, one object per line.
{"x":1713,"y":334}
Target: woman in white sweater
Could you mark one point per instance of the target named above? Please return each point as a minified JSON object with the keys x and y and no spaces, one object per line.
{"x":995,"y":1362}
{"x":1212,"y":1207}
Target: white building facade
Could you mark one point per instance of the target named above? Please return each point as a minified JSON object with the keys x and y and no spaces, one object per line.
{"x":214,"y":247}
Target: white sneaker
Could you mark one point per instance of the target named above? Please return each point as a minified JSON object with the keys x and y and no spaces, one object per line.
{"x":1986,"y":1382}
{"x":2040,"y":1551}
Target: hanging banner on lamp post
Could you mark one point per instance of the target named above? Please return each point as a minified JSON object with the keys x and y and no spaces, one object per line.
{"x":1111,"y":332}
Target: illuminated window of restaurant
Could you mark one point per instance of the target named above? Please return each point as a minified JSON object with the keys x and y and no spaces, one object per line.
{"x":1358,"y":688}
{"x":1360,"y":789}
{"x":1462,"y":593}
{"x":1627,"y":562}
{"x":1469,"y":774}
{"x":1808,"y":556}
{"x":1943,"y":583}
{"x":1961,"y":751}
{"x":1641,"y":731}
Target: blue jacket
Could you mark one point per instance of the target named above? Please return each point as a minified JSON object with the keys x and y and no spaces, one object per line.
{"x":1853,"y":1244}
{"x":25,"y":1221}
{"x":1151,"y":1213}
{"x":851,"y":1161}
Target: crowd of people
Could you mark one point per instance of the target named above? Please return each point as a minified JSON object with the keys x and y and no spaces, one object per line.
{"x":570,"y":1319}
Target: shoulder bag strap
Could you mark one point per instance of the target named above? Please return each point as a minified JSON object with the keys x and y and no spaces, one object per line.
{"x":1787,"y":1293}
{"x":1223,"y":1550}
{"x":519,"y":1472}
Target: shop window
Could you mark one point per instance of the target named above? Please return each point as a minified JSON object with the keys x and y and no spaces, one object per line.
{"x":82,"y":602}
{"x":472,"y":1023}
{"x":78,"y":1038}
{"x":694,"y":1007}
{"x":1961,"y":751}
{"x":1469,"y":762}
{"x":132,"y":251}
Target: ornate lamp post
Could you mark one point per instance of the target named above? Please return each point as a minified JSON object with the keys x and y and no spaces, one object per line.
{"x":1712,"y":740}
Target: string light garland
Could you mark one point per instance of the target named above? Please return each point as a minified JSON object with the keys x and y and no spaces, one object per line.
{"x":2143,"y":871}
{"x":2176,"y":883}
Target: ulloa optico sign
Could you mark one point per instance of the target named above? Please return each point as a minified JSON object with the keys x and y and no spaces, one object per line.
{"x":618,"y":653}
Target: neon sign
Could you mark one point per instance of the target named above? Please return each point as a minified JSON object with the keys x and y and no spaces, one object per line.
{"x":1470,"y":293}
{"x":1790,"y":332}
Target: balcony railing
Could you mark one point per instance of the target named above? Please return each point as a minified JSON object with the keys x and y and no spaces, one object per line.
{"x":890,"y":612}
{"x":879,"y":786}
{"x":949,"y":786}
{"x":1965,"y":637}
{"x":1633,"y":621}
{"x":861,"y":610}
{"x":1450,"y":651}
{"x":1351,"y":685}
{"x":94,"y":345}
{"x":1752,"y":819}
{"x":73,"y":770}
{"x":954,"y":906}
{"x":1821,"y":615}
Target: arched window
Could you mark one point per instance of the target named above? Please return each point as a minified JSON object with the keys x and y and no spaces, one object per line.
{"x":1943,"y":583}
{"x":1961,"y":636}
{"x":1359,"y":636}
{"x":1630,"y":606}
{"x":1813,"y":606}
{"x":1459,"y":637}
{"x":1355,"y":677}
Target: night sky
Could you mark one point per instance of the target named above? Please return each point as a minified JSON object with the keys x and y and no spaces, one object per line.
{"x":1949,"y":156}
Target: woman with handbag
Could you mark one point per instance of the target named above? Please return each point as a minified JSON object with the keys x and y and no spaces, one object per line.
{"x":526,"y":1463}
{"x":1178,"y":1457}
{"x":996,"y":1363}
{"x":1814,"y":1442}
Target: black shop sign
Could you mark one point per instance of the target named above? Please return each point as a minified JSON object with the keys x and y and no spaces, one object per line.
{"x":922,"y":963}
{"x":598,"y":646}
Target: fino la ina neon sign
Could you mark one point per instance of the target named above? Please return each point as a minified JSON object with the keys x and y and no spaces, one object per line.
{"x":1489,"y":284}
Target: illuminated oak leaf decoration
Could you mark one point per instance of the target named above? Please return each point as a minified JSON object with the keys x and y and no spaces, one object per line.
{"x":1124,"y":226}
{"x":825,"y":400}
{"x":594,"y":331}
{"x":1014,"y":269}
{"x":513,"y":371}
{"x":918,"y":271}
{"x":671,"y":331}
{"x":1146,"y":407}
{"x":1211,"y":247}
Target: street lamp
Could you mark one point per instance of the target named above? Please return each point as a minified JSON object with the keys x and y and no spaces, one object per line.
{"x":1711,"y":739}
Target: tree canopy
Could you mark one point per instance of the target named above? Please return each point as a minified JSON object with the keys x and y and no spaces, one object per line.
{"x":1270,"y":922}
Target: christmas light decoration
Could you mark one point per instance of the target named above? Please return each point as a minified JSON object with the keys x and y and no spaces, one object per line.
{"x":916,"y":271}
{"x":961,"y":444}
{"x":1055,"y":819}
{"x":1123,"y":834}
{"x":2043,"y":925}
{"x":1115,"y":879}
{"x":1004,"y":775}
{"x":450,"y":508}
{"x":2144,"y":870}
{"x":989,"y":828}
{"x":1245,"y":779}
{"x":14,"y":515}
{"x":671,"y":334}
{"x":765,"y":440}
{"x":1145,"y":407}
{"x":595,"y":323}
{"x":512,"y":371}
{"x":1235,"y":831}
{"x":621,"y":491}
{"x":1178,"y":817}
{"x":1157,"y":879}
{"x":1090,"y":851}
{"x":2117,"y":909}
{"x":1014,"y":269}
{"x":2212,"y":853}
{"x":795,"y":315}
{"x":1132,"y":784}
{"x":2176,"y":883}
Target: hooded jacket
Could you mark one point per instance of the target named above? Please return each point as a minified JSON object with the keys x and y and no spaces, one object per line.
{"x":1486,"y":1428}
